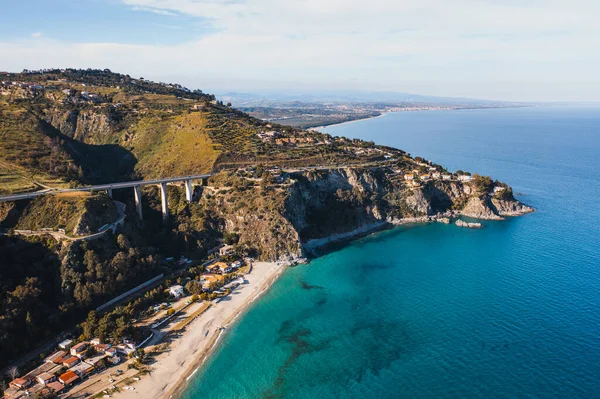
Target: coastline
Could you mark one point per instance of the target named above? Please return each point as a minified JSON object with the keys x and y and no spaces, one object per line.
{"x":199,"y":346}
{"x":171,"y":372}
{"x":381,"y":115}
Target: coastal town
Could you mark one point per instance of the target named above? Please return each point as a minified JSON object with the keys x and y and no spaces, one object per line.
{"x":96,"y":367}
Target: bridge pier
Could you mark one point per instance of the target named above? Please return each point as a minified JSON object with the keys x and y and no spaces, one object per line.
{"x":109,"y":192}
{"x":189,"y":190}
{"x":164,"y":201}
{"x":137,"y":191}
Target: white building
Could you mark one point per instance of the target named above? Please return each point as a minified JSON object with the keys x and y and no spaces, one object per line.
{"x":176,"y":291}
{"x":465,"y":178}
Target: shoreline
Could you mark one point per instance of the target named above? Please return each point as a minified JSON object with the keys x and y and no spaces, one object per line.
{"x":381,"y":115}
{"x":169,"y":376}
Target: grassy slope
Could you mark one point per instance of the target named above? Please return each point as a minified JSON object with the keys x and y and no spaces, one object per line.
{"x":27,"y":154}
{"x":173,"y":146}
{"x":65,"y":211}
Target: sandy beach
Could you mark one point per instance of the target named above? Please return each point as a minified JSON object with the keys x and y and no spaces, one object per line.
{"x":187,"y":353}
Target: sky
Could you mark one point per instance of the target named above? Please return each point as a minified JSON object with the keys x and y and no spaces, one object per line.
{"x":518,"y":50}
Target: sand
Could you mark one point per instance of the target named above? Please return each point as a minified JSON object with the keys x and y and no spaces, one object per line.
{"x":188,"y":352}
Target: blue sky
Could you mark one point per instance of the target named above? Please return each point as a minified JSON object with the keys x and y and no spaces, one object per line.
{"x":538,"y":50}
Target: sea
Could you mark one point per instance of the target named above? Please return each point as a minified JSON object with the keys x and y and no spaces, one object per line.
{"x":511,"y":310}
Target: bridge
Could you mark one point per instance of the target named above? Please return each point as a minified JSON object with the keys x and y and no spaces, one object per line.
{"x":137,"y":190}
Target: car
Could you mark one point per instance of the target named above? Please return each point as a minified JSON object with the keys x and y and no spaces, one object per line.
{"x":119,"y":372}
{"x":111,"y":380}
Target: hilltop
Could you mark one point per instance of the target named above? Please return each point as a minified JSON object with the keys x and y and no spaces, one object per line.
{"x":70,"y":127}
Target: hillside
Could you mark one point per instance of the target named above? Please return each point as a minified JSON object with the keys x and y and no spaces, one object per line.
{"x":70,"y":127}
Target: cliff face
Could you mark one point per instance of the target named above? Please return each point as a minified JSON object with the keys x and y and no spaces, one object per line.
{"x":339,"y":201}
{"x":88,"y":126}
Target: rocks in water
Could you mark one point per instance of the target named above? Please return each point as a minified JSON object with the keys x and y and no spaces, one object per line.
{"x":470,"y":225}
{"x":443,"y":220}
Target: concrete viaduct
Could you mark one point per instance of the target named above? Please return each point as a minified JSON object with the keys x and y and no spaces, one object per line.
{"x":137,"y":190}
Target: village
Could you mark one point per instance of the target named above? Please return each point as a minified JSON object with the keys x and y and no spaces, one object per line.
{"x":82,"y":368}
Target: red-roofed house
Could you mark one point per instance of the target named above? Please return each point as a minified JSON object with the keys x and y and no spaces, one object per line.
{"x":70,"y":362}
{"x":68,"y":378}
{"x":20,"y":383}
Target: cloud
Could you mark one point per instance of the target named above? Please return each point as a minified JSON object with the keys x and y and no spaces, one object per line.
{"x":37,"y":34}
{"x":153,"y":10}
{"x":464,"y":47}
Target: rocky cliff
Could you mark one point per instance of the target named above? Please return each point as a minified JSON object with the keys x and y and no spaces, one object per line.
{"x":91,"y":126}
{"x":312,"y":208}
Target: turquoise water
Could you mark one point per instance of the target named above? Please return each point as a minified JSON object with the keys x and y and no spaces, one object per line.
{"x":435,"y":311}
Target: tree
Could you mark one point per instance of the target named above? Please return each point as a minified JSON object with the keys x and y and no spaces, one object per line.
{"x":13,"y":372}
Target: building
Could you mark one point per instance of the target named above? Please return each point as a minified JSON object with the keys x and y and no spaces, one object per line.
{"x":436,"y":175}
{"x":103,"y":348}
{"x":498,"y":189}
{"x":226,"y":250}
{"x":46,"y":378}
{"x":56,"y":386}
{"x":68,"y":378}
{"x":465,"y":178}
{"x":95,"y":341}
{"x":96,"y":360}
{"x":70,"y":362}
{"x":79,"y":349}
{"x":176,"y":291}
{"x":409,"y":176}
{"x":20,"y":383}
{"x":66,"y":344}
{"x":55,"y":356}
{"x":220,"y":268}
{"x":82,"y":369}
{"x":447,"y":177}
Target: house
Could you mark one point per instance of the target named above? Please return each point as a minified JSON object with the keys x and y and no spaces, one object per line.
{"x":82,"y":369}
{"x":66,"y":344}
{"x":176,"y":291}
{"x":436,"y":175}
{"x":220,"y":268}
{"x":226,"y":250}
{"x":46,"y":378}
{"x":70,"y":362}
{"x":409,"y":176}
{"x":68,"y":378}
{"x":94,"y":361}
{"x":56,"y":356}
{"x":95,"y":341}
{"x":498,"y":189}
{"x":103,"y":348}
{"x":112,"y":352}
{"x":55,"y":386}
{"x":114,"y":360}
{"x":447,"y":177}
{"x":465,"y":178}
{"x":20,"y":383}
{"x":79,"y":349}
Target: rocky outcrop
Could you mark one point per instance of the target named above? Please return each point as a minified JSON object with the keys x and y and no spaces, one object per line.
{"x":510,"y":208}
{"x":469,"y":225}
{"x":480,"y":208}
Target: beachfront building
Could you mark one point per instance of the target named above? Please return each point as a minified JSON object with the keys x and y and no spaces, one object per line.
{"x":68,"y":378}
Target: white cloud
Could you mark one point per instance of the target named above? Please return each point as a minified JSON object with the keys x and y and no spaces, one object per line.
{"x":529,"y":49}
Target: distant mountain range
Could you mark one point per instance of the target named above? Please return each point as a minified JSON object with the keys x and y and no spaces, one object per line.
{"x":272,"y":98}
